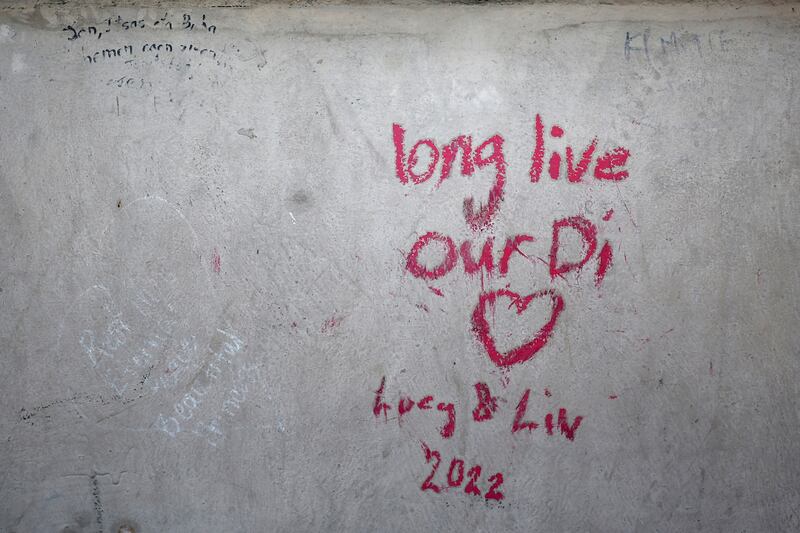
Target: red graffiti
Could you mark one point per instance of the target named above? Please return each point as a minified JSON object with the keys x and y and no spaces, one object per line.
{"x":405,"y":169}
{"x":487,"y":408}
{"x":555,"y":166}
{"x":588,"y":233}
{"x":434,"y":458}
{"x":483,"y":217}
{"x":486,"y":260}
{"x":406,"y":404}
{"x":485,"y":263}
{"x":435,"y":255}
{"x":403,"y":406}
{"x":450,"y":258}
{"x":606,"y":257}
{"x":604,"y":168}
{"x":512,"y":245}
{"x":380,"y":405}
{"x":449,"y":153}
{"x":431,"y":455}
{"x":477,"y":218}
{"x":424,"y":404}
{"x":574,"y":174}
{"x":568,"y":430}
{"x":605,"y":165}
{"x":487,"y":404}
{"x":520,"y":354}
{"x":447,"y":264}
{"x":538,"y":152}
{"x":450,"y":426}
{"x":522,"y":406}
{"x":456,"y":465}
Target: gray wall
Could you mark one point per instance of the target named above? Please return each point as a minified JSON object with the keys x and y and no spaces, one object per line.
{"x":209,"y":268}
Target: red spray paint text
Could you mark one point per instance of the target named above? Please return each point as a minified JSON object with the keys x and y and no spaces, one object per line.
{"x":412,"y":168}
{"x":418,"y":162}
{"x":486,"y":408}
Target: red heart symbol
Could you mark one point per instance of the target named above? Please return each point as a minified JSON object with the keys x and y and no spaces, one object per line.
{"x":522,"y":353}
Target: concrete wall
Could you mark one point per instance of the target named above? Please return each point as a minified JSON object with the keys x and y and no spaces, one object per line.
{"x":229,"y":290}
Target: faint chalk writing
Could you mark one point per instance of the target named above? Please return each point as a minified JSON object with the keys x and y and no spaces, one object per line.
{"x":216,"y":394}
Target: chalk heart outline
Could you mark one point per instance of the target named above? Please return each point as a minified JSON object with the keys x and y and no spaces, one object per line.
{"x":524,"y":352}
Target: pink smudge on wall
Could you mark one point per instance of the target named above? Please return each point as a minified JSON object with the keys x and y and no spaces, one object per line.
{"x":331,"y":323}
{"x":436,"y":291}
{"x":216,"y":262}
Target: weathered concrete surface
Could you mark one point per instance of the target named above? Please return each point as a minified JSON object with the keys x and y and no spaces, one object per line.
{"x":204,"y":278}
